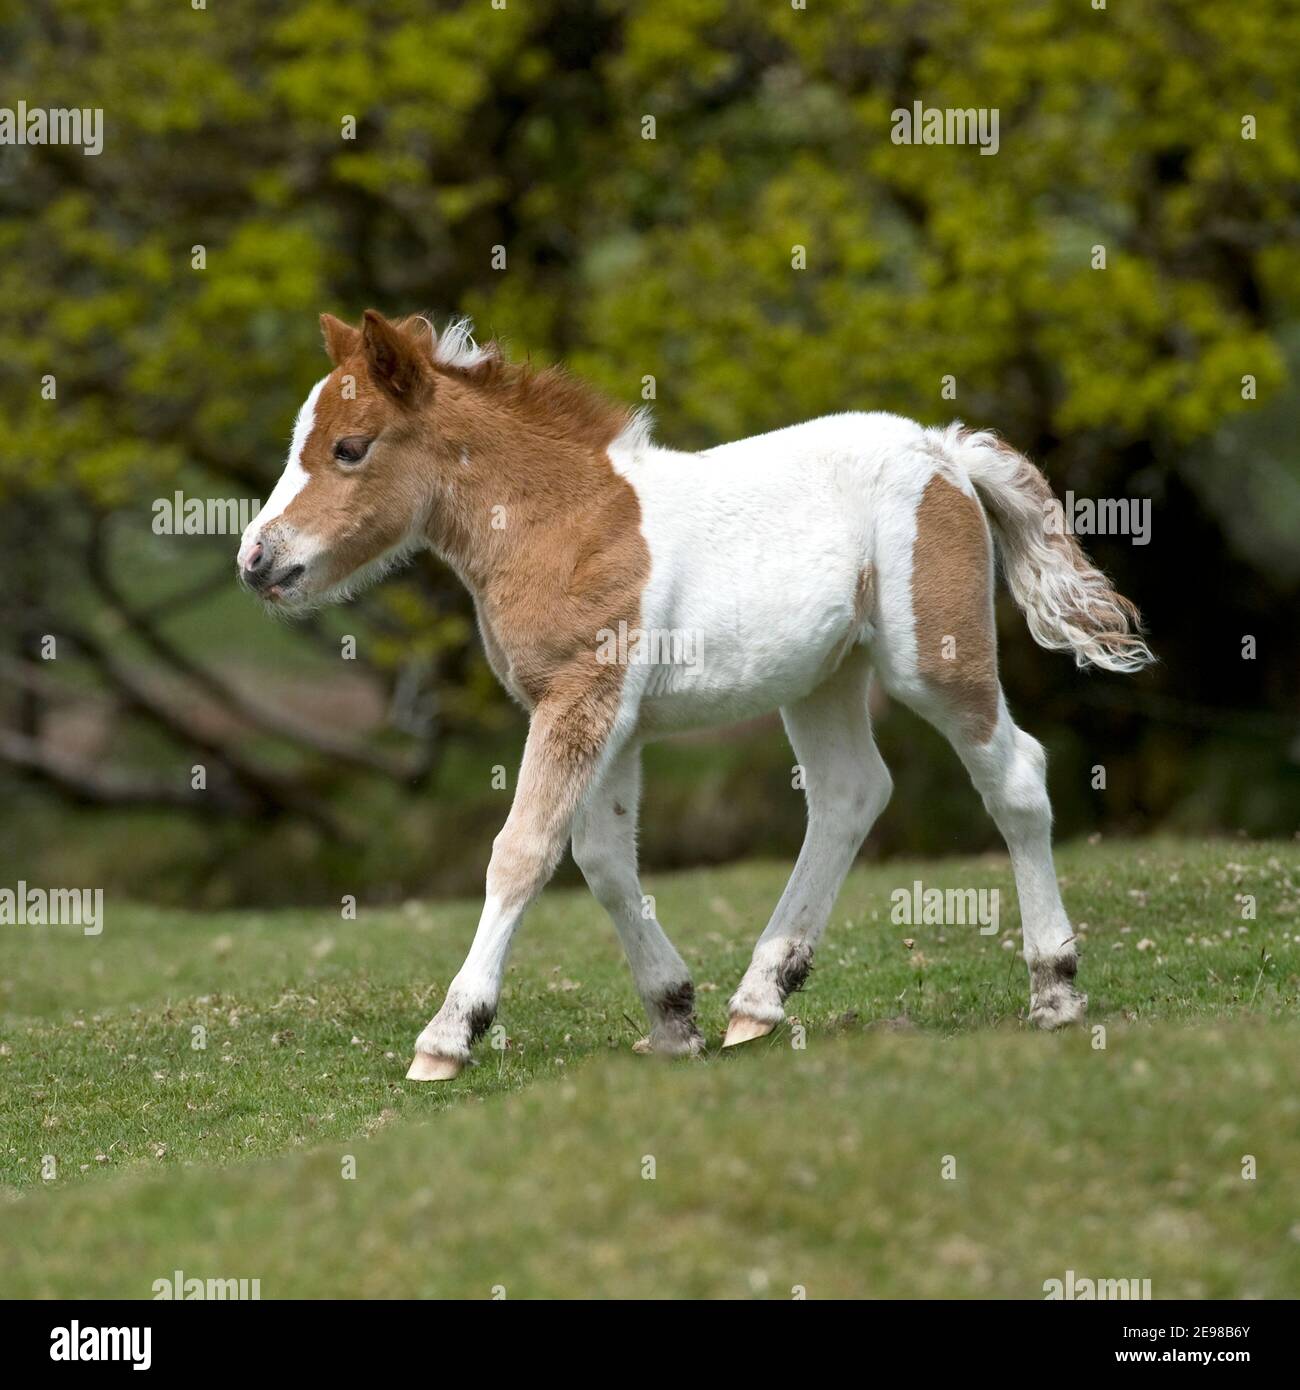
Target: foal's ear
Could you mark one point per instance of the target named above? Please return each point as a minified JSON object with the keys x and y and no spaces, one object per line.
{"x":340,"y":338}
{"x":395,"y":359}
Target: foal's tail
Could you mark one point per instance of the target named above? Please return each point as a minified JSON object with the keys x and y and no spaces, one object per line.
{"x":1067,"y":602}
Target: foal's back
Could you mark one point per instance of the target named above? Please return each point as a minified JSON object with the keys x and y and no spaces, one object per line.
{"x":765,"y":550}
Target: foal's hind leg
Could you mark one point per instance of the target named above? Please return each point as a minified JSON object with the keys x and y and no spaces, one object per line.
{"x":604,"y":848}
{"x":936,"y":651}
{"x":847,"y":785}
{"x":1008,"y":769}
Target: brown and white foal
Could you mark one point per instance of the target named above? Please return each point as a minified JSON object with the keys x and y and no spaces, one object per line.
{"x":625,"y":590}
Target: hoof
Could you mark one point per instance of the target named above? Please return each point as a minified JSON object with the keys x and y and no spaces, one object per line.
{"x":426,"y":1067}
{"x":742,"y":1029}
{"x":1059,"y":1008}
{"x":678,"y":1044}
{"x":1053,"y":1000}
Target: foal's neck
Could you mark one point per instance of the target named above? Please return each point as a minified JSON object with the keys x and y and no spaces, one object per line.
{"x":516,"y":474}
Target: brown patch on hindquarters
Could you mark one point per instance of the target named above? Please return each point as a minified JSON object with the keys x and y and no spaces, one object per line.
{"x":952,"y":604}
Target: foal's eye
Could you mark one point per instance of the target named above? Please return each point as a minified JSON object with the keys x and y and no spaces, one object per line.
{"x":351,"y":450}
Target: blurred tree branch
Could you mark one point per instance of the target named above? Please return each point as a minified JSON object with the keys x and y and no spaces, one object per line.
{"x":260,"y":717}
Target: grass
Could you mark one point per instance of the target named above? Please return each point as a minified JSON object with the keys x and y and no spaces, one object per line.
{"x":774,"y":1166}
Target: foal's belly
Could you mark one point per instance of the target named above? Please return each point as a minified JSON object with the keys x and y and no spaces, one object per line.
{"x":723,"y":673}
{"x":685,"y":709}
{"x":757,"y":555}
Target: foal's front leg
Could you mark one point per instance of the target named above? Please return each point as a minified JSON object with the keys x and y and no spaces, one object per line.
{"x":555,"y":772}
{"x":604,"y":848}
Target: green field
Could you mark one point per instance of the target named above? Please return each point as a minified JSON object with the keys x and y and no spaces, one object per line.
{"x":922,"y":1142}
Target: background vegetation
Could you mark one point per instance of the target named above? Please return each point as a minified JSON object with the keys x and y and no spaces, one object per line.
{"x":522,"y":128}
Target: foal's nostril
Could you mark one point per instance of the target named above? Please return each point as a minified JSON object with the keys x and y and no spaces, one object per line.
{"x":257,"y":565}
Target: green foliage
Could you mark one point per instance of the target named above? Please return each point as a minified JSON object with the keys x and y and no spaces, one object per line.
{"x":671,"y":258}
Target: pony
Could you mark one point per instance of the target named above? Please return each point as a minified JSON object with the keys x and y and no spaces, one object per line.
{"x":625,"y":590}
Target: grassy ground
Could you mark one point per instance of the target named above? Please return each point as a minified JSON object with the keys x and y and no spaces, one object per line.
{"x":821,"y":1165}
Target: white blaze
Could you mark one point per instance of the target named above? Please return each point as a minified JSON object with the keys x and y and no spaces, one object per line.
{"x":292,"y":480}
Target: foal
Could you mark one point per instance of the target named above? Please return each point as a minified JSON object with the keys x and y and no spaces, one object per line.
{"x":789,"y":566}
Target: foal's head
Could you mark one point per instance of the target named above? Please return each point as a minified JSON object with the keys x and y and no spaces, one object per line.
{"x":360,"y":481}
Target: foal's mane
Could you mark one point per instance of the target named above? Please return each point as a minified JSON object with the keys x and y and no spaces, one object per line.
{"x":549,"y":397}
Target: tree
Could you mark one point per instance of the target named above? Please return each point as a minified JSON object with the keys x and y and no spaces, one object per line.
{"x":695,"y":200}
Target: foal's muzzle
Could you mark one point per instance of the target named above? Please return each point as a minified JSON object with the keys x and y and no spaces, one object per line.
{"x":259,"y":572}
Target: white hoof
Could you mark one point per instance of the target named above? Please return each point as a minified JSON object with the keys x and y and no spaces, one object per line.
{"x":1053,"y":1000}
{"x":426,"y":1067}
{"x":1058,"y":1008}
{"x":742,"y":1029}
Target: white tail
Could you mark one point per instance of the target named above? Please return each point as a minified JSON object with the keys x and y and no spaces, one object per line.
{"x":1068,"y":603}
